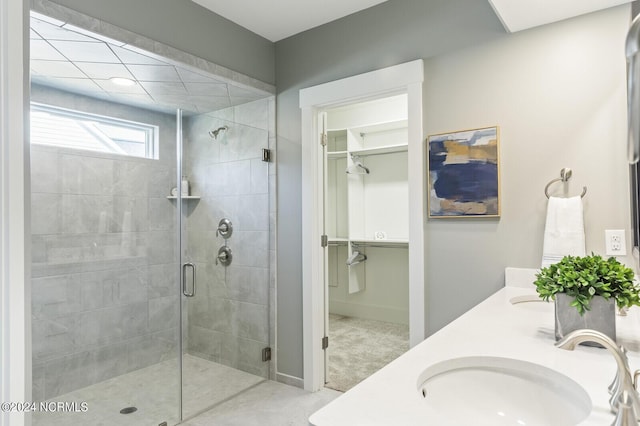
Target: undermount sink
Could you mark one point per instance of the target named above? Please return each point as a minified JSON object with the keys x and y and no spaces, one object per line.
{"x":500,"y":391}
{"x":531,"y":302}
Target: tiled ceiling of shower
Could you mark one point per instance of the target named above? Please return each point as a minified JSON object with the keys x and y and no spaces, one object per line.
{"x":78,"y":61}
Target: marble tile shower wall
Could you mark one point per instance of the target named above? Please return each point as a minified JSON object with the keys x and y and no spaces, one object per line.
{"x":230,"y":318}
{"x":104,"y":299}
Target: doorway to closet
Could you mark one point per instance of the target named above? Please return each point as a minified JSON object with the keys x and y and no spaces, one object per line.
{"x":366,"y":221}
{"x":363,"y":204}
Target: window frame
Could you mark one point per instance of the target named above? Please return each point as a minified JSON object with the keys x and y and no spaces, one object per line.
{"x":151,"y":131}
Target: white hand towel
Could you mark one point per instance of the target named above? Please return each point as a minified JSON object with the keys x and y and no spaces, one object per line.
{"x":564,"y":230}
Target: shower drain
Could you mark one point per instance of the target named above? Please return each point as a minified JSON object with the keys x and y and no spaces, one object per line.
{"x":128,"y":410}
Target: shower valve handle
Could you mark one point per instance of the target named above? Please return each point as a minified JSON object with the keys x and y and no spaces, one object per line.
{"x":224,"y":256}
{"x":225,"y":228}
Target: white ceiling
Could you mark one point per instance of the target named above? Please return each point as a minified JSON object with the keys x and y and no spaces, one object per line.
{"x":278,"y":19}
{"x":80,"y":61}
{"x":519,"y":15}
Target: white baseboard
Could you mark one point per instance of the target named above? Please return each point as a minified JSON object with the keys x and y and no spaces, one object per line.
{"x":370,"y":312}
{"x":290,"y":380}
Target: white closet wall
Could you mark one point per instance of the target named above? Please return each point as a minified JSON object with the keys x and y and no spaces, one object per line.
{"x":368,"y":212}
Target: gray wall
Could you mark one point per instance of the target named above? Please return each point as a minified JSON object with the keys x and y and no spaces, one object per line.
{"x":388,"y":34}
{"x":104,"y":297}
{"x":556,"y":92}
{"x":189,"y":27}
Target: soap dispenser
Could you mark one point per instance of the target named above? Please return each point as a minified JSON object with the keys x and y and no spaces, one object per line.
{"x":184,"y":187}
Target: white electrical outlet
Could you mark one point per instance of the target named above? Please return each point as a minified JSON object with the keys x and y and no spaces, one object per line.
{"x":379,"y":235}
{"x":615,"y":242}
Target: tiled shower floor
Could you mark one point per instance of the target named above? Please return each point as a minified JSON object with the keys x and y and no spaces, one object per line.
{"x":154,"y":392}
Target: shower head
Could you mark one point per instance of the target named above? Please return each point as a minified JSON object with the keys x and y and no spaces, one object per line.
{"x":214,"y":133}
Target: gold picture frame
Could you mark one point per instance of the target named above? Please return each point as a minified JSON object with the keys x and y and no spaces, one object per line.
{"x":464,"y":173}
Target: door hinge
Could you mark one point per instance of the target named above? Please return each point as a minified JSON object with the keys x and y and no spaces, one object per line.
{"x":266,"y":155}
{"x":323,"y":139}
{"x":324,"y":241}
{"x":325,"y":342}
{"x":266,"y":354}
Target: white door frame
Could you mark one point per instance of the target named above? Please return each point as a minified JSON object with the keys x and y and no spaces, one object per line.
{"x":15,"y":297}
{"x":403,"y":78}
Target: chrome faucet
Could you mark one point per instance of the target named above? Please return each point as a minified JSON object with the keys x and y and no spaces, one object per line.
{"x":624,"y":399}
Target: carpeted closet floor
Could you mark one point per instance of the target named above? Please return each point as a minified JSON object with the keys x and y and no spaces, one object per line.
{"x":359,"y":348}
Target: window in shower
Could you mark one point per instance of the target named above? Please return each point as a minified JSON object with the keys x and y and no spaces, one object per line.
{"x":66,"y":128}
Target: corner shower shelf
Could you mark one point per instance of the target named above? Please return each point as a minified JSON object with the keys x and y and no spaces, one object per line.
{"x":188,"y":197}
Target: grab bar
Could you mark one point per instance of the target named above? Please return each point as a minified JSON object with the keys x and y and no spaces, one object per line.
{"x":193,"y":279}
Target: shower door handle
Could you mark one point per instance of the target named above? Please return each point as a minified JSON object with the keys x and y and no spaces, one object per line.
{"x":193,"y":279}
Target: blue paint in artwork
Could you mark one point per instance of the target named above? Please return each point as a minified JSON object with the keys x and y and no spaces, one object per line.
{"x":470,"y":182}
{"x":437,"y":155}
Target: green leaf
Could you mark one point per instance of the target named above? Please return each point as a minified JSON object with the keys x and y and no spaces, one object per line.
{"x":582,"y":278}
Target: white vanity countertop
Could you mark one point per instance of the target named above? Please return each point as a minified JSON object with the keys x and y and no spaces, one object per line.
{"x":495,"y":327}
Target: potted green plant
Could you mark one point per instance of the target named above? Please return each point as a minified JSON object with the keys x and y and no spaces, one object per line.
{"x":586,"y":291}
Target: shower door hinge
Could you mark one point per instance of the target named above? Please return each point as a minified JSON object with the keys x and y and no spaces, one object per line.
{"x":324,"y":241}
{"x":323,"y":139}
{"x":266,"y":354}
{"x":266,"y":155}
{"x":325,"y":342}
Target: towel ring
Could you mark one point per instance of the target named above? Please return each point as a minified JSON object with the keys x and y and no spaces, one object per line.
{"x":565,"y":175}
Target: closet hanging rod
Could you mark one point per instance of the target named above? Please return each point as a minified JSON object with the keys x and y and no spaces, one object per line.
{"x":565,"y":175}
{"x":381,"y":244}
{"x":371,"y":154}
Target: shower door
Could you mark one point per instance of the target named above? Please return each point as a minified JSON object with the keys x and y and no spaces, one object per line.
{"x":225,"y":250}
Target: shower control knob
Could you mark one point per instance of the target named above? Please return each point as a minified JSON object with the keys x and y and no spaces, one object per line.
{"x":224,"y":256}
{"x":225,"y":228}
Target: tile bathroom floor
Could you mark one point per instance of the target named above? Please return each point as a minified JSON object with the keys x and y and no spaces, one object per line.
{"x":267,"y":404}
{"x":237,"y":398}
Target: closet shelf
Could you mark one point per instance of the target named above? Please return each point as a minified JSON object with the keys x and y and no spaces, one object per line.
{"x":384,"y":126}
{"x":336,"y":154}
{"x":387,"y":149}
{"x":385,"y":243}
{"x":338,"y":241}
{"x":368,"y":242}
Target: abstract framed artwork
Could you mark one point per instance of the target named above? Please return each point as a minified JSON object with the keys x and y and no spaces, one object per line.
{"x":464,"y":173}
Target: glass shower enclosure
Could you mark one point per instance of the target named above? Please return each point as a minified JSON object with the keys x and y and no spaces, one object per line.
{"x":151,"y":219}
